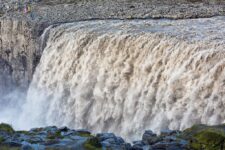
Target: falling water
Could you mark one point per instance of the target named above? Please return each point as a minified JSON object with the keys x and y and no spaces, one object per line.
{"x":128,"y":76}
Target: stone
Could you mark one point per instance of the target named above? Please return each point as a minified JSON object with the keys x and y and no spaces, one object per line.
{"x":64,"y":129}
{"x":51,"y":142}
{"x":168,"y":132}
{"x":35,"y":140}
{"x":83,"y":131}
{"x":26,"y":146}
{"x":120,"y":139}
{"x":51,"y":129}
{"x":167,"y":146}
{"x":77,"y":138}
{"x":36,"y":130}
{"x":137,"y":146}
{"x":106,"y":144}
{"x":66,"y":141}
{"x":110,"y":140}
{"x":13,"y":143}
{"x":105,"y":136}
{"x":191,"y":137}
{"x":140,"y":145}
{"x":150,"y":138}
{"x":147,"y":147}
{"x":183,"y":143}
{"x":169,"y":138}
{"x":38,"y":147}
{"x":68,"y":133}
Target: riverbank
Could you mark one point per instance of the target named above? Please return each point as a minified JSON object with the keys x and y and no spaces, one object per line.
{"x":52,"y":138}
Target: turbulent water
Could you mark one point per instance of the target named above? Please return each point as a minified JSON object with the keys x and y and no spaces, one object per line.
{"x":128,"y":76}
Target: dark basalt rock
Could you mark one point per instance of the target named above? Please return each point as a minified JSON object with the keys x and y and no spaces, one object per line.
{"x":195,"y":138}
{"x":150,"y":138}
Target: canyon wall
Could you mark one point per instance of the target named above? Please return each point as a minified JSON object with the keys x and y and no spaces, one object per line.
{"x":19,"y":53}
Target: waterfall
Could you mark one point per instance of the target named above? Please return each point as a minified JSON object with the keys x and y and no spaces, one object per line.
{"x":128,"y":76}
{"x":44,"y":37}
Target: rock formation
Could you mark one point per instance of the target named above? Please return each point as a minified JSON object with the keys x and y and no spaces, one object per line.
{"x":51,"y":137}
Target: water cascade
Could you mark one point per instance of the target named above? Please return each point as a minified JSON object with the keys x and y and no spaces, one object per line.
{"x":128,"y":76}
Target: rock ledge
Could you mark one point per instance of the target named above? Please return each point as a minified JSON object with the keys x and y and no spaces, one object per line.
{"x":53,"y":138}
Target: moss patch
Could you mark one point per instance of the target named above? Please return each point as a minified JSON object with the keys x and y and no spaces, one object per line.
{"x":93,"y":144}
{"x":25,"y":132}
{"x":56,"y":135}
{"x":38,"y":129}
{"x":84,"y":134}
{"x":5,"y":147}
{"x":6,"y":128}
{"x":2,"y":139}
{"x":202,"y":137}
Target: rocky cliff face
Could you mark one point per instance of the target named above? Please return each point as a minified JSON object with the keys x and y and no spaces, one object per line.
{"x":19,"y":53}
{"x":53,"y":138}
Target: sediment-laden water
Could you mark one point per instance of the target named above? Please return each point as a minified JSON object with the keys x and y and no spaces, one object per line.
{"x":128,"y":76}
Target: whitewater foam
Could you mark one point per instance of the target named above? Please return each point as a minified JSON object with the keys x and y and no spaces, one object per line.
{"x":128,"y":76}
